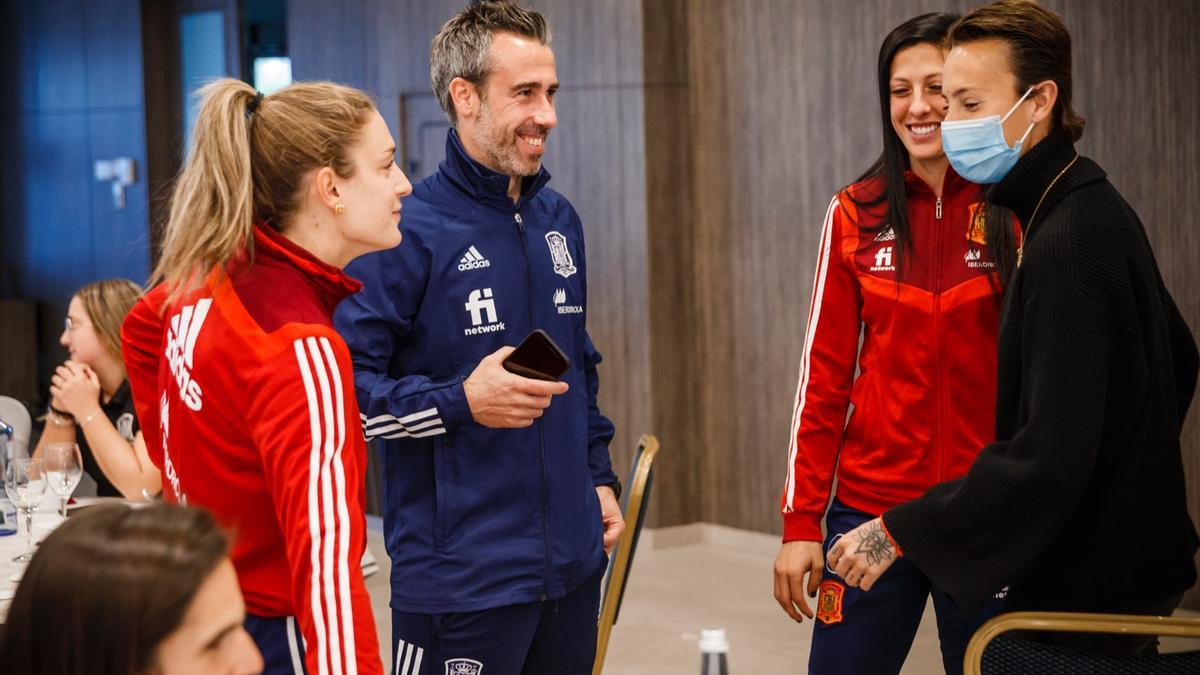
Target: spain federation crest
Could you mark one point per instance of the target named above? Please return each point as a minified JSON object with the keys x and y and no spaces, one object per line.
{"x":977,"y":227}
{"x":560,"y":255}
{"x":463,"y":667}
{"x":829,"y":602}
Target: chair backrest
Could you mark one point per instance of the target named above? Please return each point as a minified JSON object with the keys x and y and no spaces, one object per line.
{"x":637,"y":493}
{"x":993,"y":652}
{"x":16,"y":415}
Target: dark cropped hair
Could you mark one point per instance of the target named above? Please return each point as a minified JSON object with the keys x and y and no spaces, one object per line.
{"x":463,"y":44}
{"x":1039,"y":49}
{"x":106,"y":587}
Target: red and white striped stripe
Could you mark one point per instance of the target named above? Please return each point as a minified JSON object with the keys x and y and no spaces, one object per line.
{"x":814,"y":317}
{"x":328,"y":519}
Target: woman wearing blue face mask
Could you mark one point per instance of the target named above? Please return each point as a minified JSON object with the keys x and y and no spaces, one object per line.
{"x":1079,"y":504}
{"x":907,"y":260}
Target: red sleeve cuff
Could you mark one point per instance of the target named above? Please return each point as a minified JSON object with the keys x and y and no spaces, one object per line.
{"x":892,"y":539}
{"x":801,"y":527}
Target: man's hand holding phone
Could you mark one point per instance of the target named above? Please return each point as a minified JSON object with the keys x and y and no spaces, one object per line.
{"x":501,"y":400}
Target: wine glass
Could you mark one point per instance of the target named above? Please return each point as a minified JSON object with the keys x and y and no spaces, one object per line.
{"x":64,"y":467}
{"x":25,"y":484}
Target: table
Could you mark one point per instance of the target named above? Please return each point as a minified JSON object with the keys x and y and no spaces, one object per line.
{"x":14,"y":544}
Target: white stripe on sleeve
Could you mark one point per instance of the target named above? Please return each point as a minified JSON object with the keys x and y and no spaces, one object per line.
{"x":329,"y":525}
{"x":345,"y":604}
{"x":314,"y":527}
{"x":805,"y":361}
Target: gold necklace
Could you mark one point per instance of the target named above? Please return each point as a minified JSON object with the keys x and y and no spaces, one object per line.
{"x":1029,"y":227}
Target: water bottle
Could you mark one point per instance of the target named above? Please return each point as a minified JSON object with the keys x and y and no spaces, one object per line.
{"x":713,"y":649}
{"x":8,"y":512}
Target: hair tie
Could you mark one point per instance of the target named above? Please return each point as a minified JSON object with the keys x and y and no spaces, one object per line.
{"x":252,"y":106}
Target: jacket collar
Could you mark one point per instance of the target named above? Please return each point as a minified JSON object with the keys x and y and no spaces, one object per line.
{"x":952,"y":185}
{"x":480,"y":182}
{"x":1023,"y":187}
{"x":273,"y":249}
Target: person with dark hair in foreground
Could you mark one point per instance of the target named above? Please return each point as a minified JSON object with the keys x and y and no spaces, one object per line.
{"x":1079,"y":504}
{"x":123,"y":591}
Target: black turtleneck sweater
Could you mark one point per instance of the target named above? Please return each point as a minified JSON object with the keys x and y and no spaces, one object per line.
{"x":1079,"y":504}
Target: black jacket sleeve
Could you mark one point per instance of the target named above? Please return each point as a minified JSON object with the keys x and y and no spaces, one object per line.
{"x":974,"y":535}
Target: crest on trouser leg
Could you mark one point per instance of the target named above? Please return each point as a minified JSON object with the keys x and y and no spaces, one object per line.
{"x":829,"y":602}
{"x":463,"y":667}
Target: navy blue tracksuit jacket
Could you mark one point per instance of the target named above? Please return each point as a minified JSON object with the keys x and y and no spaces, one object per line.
{"x":475,"y":517}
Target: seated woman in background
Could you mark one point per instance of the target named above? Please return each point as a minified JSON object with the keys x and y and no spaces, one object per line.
{"x":89,"y":394}
{"x":123,"y":590}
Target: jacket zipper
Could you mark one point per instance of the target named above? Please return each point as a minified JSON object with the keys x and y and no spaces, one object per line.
{"x":540,"y":428}
{"x":939,"y":451}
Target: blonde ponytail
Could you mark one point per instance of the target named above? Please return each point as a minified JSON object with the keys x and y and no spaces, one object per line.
{"x":249,"y":157}
{"x":212,"y":210}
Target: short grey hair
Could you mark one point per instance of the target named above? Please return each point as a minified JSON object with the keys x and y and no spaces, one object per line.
{"x":462,"y":45}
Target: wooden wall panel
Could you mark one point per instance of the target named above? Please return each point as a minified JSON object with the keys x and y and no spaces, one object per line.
{"x":751,"y":116}
{"x":1135,"y":73}
{"x":783,"y":111}
{"x":677,"y":377}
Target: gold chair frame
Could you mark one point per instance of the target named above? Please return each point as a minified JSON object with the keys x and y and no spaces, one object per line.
{"x":636,"y":496}
{"x":1073,"y":622}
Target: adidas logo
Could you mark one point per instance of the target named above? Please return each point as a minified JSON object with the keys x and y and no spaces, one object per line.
{"x":182,"y":332}
{"x":887,"y":235}
{"x":473,"y":260}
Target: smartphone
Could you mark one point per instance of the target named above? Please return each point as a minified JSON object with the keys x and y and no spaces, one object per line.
{"x":537,"y":357}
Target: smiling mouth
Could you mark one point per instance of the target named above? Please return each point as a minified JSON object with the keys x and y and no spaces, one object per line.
{"x":923,"y":130}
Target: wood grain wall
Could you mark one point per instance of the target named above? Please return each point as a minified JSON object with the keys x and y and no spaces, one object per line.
{"x":701,"y":141}
{"x":778,"y":111}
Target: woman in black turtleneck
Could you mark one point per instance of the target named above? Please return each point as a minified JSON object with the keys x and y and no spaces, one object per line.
{"x":1079,"y":505}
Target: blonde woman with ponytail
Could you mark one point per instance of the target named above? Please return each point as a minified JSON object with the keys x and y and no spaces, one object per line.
{"x":244,"y":389}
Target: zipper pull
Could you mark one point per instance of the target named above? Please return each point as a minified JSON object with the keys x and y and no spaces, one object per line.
{"x":938,"y":213}
{"x":521,"y":224}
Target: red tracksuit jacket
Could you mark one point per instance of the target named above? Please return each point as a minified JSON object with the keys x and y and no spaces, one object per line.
{"x":924,"y":401}
{"x":246,"y":397}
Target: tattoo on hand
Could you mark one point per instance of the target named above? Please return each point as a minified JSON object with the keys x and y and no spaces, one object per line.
{"x":875,"y":544}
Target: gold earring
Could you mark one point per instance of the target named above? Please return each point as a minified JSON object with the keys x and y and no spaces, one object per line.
{"x":339,"y":208}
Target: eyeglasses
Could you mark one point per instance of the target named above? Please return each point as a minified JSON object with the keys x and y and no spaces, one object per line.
{"x":70,"y":326}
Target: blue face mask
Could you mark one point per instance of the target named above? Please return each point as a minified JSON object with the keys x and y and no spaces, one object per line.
{"x":977,"y":149}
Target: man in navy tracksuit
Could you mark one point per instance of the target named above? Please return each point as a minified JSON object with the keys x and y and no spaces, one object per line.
{"x":500,"y":497}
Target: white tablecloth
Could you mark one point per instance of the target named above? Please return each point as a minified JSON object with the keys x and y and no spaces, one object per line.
{"x":14,"y":544}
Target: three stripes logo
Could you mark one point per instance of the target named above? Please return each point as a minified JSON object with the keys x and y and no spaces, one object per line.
{"x":473,"y":260}
{"x":181,"y":348}
{"x":422,"y":424}
{"x":408,"y":658}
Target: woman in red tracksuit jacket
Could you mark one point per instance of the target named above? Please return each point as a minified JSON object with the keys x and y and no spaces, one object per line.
{"x":909,"y":261}
{"x":244,"y":389}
